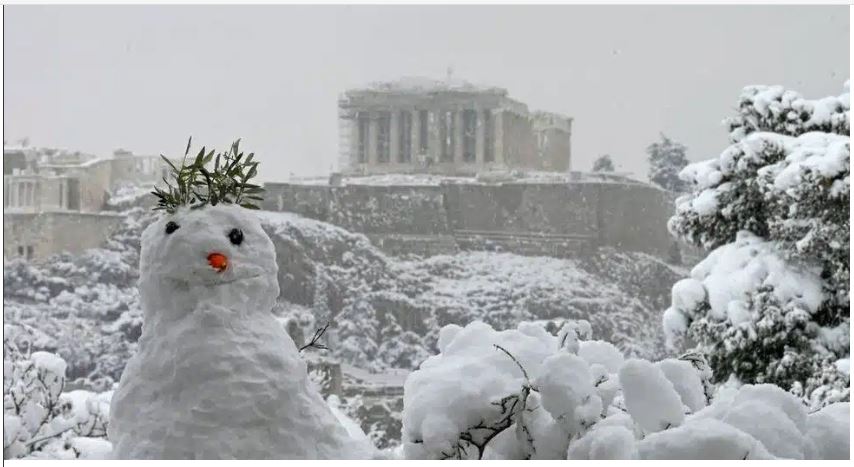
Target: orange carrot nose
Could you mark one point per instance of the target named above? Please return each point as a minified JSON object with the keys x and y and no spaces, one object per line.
{"x":218,"y":261}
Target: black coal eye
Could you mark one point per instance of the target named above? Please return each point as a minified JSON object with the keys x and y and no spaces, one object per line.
{"x":236,"y":236}
{"x":171,"y":227}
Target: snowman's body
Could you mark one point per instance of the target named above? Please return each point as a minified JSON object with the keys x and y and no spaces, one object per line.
{"x":216,"y":376}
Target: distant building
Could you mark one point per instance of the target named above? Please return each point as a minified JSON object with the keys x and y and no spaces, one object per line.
{"x":38,"y":180}
{"x":418,"y":125}
{"x":53,"y":200}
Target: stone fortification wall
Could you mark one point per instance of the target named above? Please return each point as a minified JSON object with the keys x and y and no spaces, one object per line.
{"x":40,"y":235}
{"x":528,"y":218}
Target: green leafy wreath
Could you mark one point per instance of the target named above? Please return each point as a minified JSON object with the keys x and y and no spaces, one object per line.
{"x":196,"y":186}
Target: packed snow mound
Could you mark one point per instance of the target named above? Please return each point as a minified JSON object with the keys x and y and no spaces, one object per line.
{"x":770,"y":415}
{"x":215,"y":375}
{"x":610,"y":442}
{"x":727,"y":277}
{"x":705,"y":439}
{"x":649,"y":396}
{"x":439,"y":405}
{"x":686,"y":381}
{"x":526,"y":394}
{"x":829,"y":430}
{"x":603,"y":353}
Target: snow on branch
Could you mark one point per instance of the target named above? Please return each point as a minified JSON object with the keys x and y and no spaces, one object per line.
{"x":582,"y":401}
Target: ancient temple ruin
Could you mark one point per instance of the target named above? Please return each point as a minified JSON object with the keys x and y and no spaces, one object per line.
{"x":418,"y":125}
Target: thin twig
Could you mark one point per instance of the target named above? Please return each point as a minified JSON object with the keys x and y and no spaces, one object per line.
{"x":45,"y":438}
{"x":317,"y":335}
{"x":525,"y":373}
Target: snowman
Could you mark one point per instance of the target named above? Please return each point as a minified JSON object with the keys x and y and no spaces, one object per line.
{"x":215,"y":375}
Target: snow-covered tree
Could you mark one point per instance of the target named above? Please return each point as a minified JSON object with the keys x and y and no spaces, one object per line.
{"x":355,"y":334}
{"x":527,"y":394}
{"x":666,"y":160}
{"x":771,"y":302}
{"x":603,"y":164}
{"x":404,"y":350}
{"x":40,"y":420}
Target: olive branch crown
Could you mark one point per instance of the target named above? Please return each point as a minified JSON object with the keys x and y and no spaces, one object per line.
{"x":196,"y":186}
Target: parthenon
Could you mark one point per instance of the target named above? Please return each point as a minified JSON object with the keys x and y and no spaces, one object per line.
{"x":418,"y":125}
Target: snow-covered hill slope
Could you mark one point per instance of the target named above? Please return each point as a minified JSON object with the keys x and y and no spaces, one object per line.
{"x":386,"y":311}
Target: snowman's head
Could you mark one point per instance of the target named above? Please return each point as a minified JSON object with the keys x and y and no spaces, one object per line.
{"x":217,"y":255}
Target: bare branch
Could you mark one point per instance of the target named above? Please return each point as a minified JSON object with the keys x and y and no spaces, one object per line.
{"x":45,"y":438}
{"x":524,"y":373}
{"x":317,"y":335}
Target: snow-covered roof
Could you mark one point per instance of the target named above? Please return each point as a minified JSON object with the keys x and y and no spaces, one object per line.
{"x":418,"y":84}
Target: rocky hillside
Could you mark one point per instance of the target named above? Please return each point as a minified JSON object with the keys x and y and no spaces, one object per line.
{"x":385,"y":311}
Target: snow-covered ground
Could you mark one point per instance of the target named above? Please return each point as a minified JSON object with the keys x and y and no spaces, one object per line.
{"x":387,"y":311}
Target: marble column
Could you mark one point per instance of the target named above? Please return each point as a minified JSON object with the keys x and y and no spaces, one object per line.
{"x":434,"y":146}
{"x":373,"y":133}
{"x":459,"y":130}
{"x":354,"y":141}
{"x":498,"y":135}
{"x":414,"y":137}
{"x":480,"y":137}
{"x":394,"y":137}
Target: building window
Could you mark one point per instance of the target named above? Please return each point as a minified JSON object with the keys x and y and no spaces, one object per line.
{"x":22,"y":196}
{"x":405,"y":137}
{"x":29,"y":252}
{"x":446,"y":135}
{"x":61,"y":193}
{"x":20,"y":251}
{"x":469,"y":135}
{"x":423,"y":131}
{"x":488,"y":136}
{"x":383,"y":137}
{"x":364,"y":124}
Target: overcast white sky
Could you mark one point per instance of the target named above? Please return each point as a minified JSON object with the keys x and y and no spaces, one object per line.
{"x":96,"y":78}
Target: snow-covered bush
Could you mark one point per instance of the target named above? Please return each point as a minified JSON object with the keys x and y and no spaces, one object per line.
{"x":771,"y":302}
{"x":42,"y":421}
{"x":666,"y":160}
{"x":528,"y":394}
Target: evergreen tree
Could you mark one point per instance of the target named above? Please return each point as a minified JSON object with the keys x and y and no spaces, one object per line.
{"x":666,"y":160}
{"x":771,"y":303}
{"x":603,"y":164}
{"x":355,"y":334}
{"x":399,"y":348}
